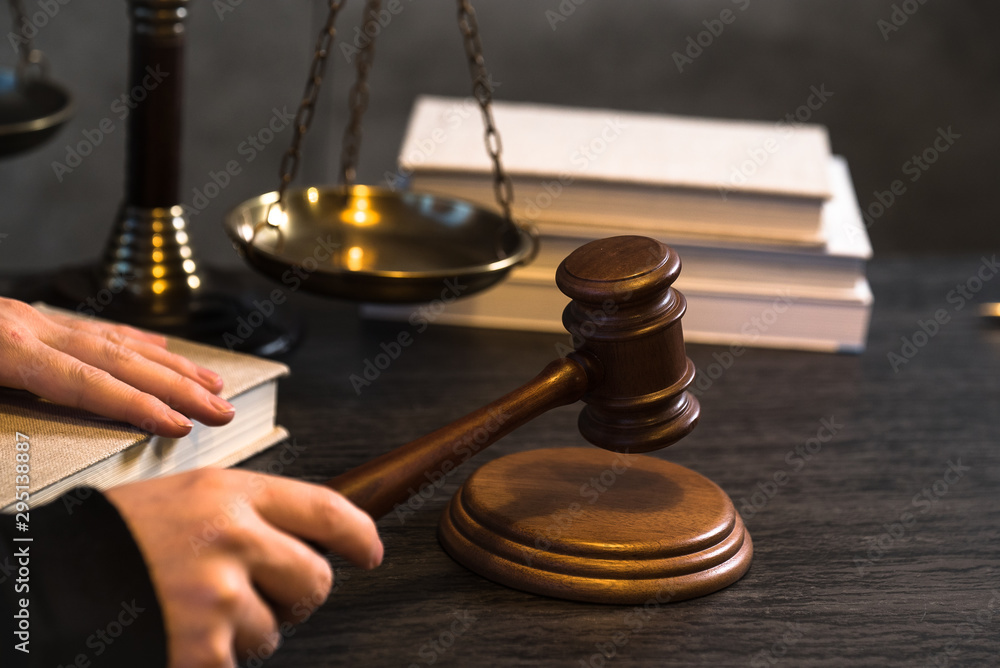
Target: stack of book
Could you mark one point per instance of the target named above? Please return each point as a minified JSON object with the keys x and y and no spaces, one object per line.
{"x":764,"y":218}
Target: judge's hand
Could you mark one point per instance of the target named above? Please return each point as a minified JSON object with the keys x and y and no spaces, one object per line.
{"x":228,"y":594}
{"x":113,"y":370}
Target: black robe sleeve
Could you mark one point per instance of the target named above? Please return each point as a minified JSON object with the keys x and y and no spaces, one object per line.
{"x":90,"y":600}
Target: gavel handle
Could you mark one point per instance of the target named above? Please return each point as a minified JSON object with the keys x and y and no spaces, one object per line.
{"x":377,"y":486}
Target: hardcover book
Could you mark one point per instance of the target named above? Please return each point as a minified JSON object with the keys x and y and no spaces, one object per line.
{"x":654,"y":173}
{"x":738,"y":293}
{"x":70,"y":447}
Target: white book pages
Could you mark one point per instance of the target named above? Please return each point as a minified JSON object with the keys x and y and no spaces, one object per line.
{"x":446,"y":135}
{"x":838,"y":263}
{"x":834,"y":322}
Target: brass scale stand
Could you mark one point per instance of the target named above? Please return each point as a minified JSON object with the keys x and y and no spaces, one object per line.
{"x":605,"y":525}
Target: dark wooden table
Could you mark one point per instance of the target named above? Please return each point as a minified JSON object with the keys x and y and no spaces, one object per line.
{"x":881,"y":547}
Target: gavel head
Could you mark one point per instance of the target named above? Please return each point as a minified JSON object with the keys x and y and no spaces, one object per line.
{"x":625,"y":319}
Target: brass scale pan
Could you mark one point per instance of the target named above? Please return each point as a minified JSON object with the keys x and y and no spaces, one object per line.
{"x":377,"y":245}
{"x":372,"y":244}
{"x":32,"y":109}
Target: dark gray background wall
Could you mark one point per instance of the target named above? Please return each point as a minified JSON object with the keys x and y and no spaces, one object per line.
{"x":892,"y":91}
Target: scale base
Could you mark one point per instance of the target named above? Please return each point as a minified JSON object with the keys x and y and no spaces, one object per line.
{"x":586,"y":524}
{"x":220,"y":314}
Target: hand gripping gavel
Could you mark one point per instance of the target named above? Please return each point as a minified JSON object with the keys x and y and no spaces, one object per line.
{"x":628,"y":365}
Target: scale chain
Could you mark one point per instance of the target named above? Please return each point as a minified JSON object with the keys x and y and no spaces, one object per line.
{"x":358,"y":102}
{"x":27,"y":51}
{"x":289,"y":166}
{"x":482,"y":89}
{"x":303,"y":117}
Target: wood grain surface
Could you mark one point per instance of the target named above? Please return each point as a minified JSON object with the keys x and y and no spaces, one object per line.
{"x":855,"y":564}
{"x":872,"y":494}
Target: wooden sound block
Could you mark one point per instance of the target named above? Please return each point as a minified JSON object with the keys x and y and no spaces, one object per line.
{"x":591,"y":525}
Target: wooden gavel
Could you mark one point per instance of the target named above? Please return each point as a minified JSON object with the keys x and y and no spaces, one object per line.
{"x":629,"y":366}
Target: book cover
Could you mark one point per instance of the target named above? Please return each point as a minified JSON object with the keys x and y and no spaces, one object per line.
{"x":69,"y":447}
{"x":657,"y":172}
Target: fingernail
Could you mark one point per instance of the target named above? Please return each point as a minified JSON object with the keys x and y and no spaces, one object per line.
{"x":179,"y":419}
{"x":377,"y":555}
{"x":222,"y":405}
{"x":210,"y":377}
